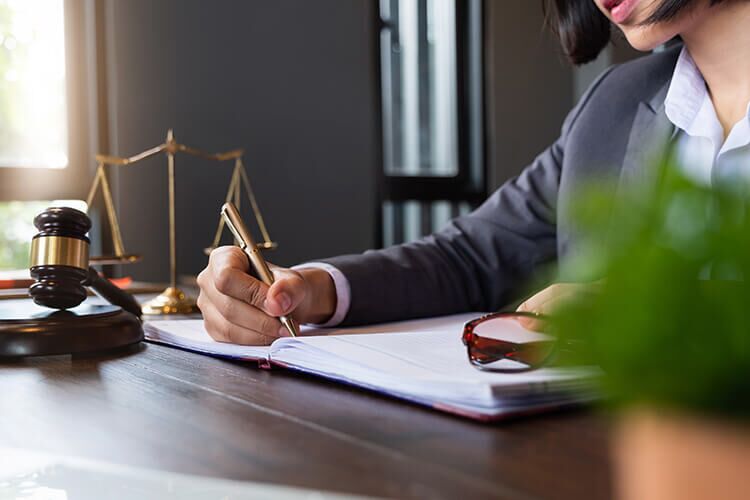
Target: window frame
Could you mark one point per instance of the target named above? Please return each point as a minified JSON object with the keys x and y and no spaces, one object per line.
{"x":469,"y":183}
{"x":71,"y":182}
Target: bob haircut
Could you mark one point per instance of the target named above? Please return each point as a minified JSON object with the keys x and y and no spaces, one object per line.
{"x":584,"y":31}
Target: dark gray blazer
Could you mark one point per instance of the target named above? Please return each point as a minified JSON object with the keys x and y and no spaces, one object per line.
{"x":483,"y":261}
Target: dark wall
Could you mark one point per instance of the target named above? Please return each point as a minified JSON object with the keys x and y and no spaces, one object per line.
{"x":291,"y":81}
{"x":528,"y":86}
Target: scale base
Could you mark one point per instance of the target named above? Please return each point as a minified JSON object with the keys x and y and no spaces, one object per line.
{"x":171,"y":301}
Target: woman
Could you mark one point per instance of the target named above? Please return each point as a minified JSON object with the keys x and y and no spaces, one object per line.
{"x":695,"y":94}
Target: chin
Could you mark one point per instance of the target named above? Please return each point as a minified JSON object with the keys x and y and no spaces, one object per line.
{"x":647,"y":38}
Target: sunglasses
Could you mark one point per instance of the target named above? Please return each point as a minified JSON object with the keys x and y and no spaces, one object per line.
{"x":511,"y":343}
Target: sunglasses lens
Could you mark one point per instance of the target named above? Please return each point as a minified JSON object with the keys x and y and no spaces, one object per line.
{"x":507,"y":343}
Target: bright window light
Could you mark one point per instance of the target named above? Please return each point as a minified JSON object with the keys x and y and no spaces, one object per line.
{"x":17,"y":229}
{"x":33,"y":119}
{"x":419,"y":86}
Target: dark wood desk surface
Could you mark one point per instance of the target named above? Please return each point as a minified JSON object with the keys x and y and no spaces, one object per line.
{"x":162,"y":408}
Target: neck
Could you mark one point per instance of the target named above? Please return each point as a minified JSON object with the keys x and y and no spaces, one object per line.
{"x":720,"y":46}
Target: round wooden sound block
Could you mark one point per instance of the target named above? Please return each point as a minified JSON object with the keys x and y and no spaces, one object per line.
{"x":29,"y":330}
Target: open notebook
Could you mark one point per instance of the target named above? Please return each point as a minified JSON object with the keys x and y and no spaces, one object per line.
{"x":423,"y":361}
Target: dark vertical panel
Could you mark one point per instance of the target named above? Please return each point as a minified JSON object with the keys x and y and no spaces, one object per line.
{"x":529,"y":86}
{"x":425,"y":91}
{"x":475,"y":92}
{"x":425,"y":218}
{"x":398,"y":222}
{"x":455,"y":209}
{"x":389,"y":71}
{"x":291,"y":81}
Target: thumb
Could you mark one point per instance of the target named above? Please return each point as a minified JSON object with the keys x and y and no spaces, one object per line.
{"x":287,"y":292}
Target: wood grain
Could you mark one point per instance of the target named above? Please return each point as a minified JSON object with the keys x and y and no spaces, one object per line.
{"x":172,"y":410}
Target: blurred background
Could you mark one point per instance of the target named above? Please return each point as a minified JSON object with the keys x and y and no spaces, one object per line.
{"x":364,"y":122}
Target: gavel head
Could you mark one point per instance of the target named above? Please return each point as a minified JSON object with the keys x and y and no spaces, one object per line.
{"x":60,"y":258}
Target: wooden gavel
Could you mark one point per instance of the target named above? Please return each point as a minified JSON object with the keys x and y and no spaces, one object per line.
{"x":60,"y":263}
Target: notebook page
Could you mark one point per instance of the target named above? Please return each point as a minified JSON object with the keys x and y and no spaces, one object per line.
{"x":450,"y":323}
{"x":425,"y":363}
{"x":190,"y":334}
{"x":424,"y":355}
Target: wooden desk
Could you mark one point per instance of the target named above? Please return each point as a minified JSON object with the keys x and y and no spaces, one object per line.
{"x":162,"y":408}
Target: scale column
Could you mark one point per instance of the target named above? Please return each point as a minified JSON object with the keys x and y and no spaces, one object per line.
{"x":172,"y":300}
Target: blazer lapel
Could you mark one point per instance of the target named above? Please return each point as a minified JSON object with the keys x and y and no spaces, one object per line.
{"x":650,"y":134}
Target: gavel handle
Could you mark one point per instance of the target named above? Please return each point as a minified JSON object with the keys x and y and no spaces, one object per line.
{"x":112,"y":294}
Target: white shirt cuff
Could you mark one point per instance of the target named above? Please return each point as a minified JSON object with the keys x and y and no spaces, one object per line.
{"x":343,"y":291}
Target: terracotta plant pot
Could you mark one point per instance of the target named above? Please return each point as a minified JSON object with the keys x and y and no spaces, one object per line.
{"x":671,"y":456}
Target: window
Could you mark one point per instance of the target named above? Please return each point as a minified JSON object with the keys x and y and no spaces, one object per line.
{"x":432,"y":114}
{"x":18,"y":229}
{"x":410,"y":220}
{"x":419,"y":88}
{"x":44,"y":115}
{"x":32,"y":84}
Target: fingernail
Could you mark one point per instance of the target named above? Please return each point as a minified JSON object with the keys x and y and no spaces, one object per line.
{"x":283,"y":332}
{"x":285,"y":301}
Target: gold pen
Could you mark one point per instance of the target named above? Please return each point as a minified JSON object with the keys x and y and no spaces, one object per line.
{"x":247,"y":244}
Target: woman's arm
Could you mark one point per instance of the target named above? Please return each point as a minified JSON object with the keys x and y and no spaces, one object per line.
{"x":478,"y":262}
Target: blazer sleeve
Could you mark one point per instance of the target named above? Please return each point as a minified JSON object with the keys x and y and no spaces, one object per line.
{"x":478,"y":262}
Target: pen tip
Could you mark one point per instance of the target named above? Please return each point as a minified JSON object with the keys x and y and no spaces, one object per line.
{"x":290,"y":325}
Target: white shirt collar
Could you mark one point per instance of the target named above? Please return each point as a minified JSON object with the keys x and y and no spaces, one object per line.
{"x":685,"y":94}
{"x":689,"y":107}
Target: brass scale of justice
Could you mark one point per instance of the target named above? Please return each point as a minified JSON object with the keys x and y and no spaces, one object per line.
{"x":172,"y":300}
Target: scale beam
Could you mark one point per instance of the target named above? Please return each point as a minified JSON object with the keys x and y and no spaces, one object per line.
{"x":172,"y":300}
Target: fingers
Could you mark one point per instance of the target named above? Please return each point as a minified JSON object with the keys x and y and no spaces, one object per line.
{"x":532,"y":305}
{"x":228,"y":275}
{"x":228,"y":256}
{"x":533,"y":324}
{"x":223,"y":330}
{"x":546,"y":302}
{"x":238,"y":312}
{"x":538,"y":302}
{"x":232,"y":301}
{"x":549,"y":299}
{"x":286,"y":294}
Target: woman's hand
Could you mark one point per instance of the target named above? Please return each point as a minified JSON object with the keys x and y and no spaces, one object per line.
{"x":240,"y":309}
{"x":546,"y":302}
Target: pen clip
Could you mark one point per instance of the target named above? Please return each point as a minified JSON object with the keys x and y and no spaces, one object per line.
{"x":233,"y":229}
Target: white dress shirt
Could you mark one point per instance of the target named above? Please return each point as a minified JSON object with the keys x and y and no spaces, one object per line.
{"x":701,"y":150}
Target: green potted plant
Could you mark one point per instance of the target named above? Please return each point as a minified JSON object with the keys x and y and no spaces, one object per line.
{"x":670,"y":329}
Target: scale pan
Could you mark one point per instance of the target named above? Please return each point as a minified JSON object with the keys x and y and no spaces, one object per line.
{"x":115,"y":259}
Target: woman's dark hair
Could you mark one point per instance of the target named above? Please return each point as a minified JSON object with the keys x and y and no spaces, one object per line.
{"x":584,"y":31}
